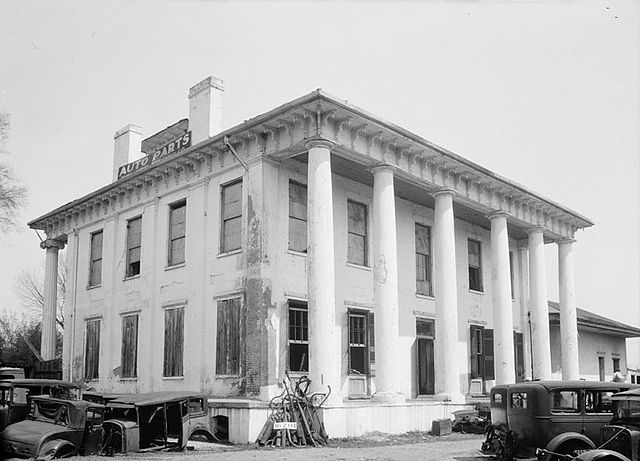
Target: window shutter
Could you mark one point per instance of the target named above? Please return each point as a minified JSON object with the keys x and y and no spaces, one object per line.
{"x":489,"y":372}
{"x":372,"y":346}
{"x":474,"y":352}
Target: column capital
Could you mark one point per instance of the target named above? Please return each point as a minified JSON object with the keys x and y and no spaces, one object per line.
{"x":522,"y":244}
{"x":535,"y":229}
{"x":498,"y":214}
{"x":319,"y":142}
{"x":566,"y":241}
{"x":444,"y":191}
{"x":51,"y":243}
{"x":382,"y":167}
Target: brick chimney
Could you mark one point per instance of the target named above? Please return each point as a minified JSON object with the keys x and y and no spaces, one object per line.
{"x":126,"y":149}
{"x":205,"y":109}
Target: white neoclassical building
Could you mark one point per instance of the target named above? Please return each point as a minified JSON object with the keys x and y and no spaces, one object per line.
{"x":316,"y":239}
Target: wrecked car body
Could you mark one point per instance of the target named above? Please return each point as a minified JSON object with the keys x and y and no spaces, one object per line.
{"x":155,"y":421}
{"x":55,"y":428}
{"x":15,"y":396}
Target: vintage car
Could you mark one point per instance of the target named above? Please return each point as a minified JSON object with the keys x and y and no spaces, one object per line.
{"x":15,"y":395}
{"x":55,"y":428}
{"x":155,"y":420}
{"x":562,"y":417}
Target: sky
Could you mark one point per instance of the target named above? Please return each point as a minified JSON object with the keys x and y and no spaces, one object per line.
{"x":544,"y":93}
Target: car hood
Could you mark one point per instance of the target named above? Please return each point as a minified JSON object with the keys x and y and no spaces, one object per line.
{"x":30,"y":432}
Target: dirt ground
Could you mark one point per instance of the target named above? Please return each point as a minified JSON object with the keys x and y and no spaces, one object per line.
{"x":376,"y":446}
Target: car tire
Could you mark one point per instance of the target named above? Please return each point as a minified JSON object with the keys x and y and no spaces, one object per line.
{"x":570,"y":448}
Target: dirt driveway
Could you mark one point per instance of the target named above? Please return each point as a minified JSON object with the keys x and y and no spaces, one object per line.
{"x":455,"y":447}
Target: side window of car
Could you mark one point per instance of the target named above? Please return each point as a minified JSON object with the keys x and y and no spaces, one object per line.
{"x":598,"y":402}
{"x":196,"y":406}
{"x":519,"y":400}
{"x":94,"y":416}
{"x":564,"y":402}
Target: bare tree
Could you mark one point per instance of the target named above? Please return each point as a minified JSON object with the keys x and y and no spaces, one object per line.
{"x":29,"y":288}
{"x":13,"y":195}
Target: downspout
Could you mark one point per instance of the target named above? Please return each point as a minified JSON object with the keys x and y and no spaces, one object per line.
{"x":530,"y":342}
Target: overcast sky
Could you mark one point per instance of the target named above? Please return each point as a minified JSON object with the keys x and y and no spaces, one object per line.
{"x":543,"y":93}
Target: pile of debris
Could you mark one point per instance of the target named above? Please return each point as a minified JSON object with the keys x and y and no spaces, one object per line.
{"x":296,"y":418}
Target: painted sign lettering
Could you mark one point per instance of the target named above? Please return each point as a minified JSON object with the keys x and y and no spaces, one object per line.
{"x":173,"y":147}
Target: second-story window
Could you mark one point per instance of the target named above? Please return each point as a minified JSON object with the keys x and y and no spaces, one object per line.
{"x":177,"y":232}
{"x":297,"y":217}
{"x":95,"y":259}
{"x":423,"y":260}
{"x":475,"y":265}
{"x":134,"y":243}
{"x":357,"y":233}
{"x":231,"y":217}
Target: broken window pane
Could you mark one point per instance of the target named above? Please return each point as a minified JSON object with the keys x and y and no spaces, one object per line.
{"x":134,"y":234}
{"x":231,"y":217}
{"x":177,"y":232}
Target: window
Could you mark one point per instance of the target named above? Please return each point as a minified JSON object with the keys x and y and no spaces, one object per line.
{"x":425,"y":336}
{"x":518,"y":354}
{"x":475,"y":265}
{"x":519,"y":400}
{"x":564,"y":401}
{"x":358,"y":348}
{"x":177,"y":232}
{"x":482,"y":353}
{"x":228,"y":338}
{"x":616,"y":364}
{"x":601,"y":368}
{"x":231,"y":217}
{"x":298,"y":336}
{"x":297,"y":217}
{"x":95,"y":259}
{"x":357,"y":233}
{"x":423,"y":260}
{"x":598,"y":402}
{"x":129,"y":353}
{"x":196,"y":406}
{"x":134,"y":242}
{"x":173,"y":341}
{"x":92,"y":349}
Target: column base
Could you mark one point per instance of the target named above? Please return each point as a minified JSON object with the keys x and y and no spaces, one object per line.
{"x":388,"y":397}
{"x":451,"y":397}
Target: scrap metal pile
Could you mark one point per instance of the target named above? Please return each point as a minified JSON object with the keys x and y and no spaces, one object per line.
{"x":296,"y":418}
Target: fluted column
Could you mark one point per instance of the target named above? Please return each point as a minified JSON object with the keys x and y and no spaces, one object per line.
{"x":447,"y":380}
{"x":324,"y":342}
{"x":501,"y":294}
{"x":568,"y":315}
{"x":48,"y":338}
{"x":385,"y":290}
{"x":541,"y":348}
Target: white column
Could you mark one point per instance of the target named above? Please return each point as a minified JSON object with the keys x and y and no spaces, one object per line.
{"x":568,"y":315}
{"x":501,"y":294}
{"x":447,"y":380}
{"x":324,"y":341}
{"x":524,"y":308}
{"x":385,"y":286}
{"x":541,"y":348}
{"x":48,"y":338}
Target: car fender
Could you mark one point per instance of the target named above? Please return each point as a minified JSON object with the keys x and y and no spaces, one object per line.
{"x":52,"y":448}
{"x":203,"y":429}
{"x":565,"y":437}
{"x":600,"y":454}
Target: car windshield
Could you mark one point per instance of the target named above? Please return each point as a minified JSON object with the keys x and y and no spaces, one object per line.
{"x":50,"y":412}
{"x":627,"y":410}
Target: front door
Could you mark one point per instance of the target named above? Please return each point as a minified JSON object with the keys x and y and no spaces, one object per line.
{"x":425,"y":333}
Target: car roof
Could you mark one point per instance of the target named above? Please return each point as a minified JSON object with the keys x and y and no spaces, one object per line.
{"x":633,"y":394}
{"x":579,"y":384}
{"x":156,"y":398}
{"x":79,"y":404}
{"x":37,"y":382}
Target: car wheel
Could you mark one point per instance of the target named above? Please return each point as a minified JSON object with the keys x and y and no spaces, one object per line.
{"x":572,"y":449}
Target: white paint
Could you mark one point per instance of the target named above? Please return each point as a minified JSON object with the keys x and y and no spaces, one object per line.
{"x":523,"y":278}
{"x":385,"y":287}
{"x":541,"y":351}
{"x":324,"y":343}
{"x":447,"y":379}
{"x":205,"y":109}
{"x":126,"y":147}
{"x":568,"y":314}
{"x":48,"y":335}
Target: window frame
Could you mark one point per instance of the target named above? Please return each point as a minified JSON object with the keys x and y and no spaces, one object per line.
{"x":125,"y":348}
{"x":171,"y":238}
{"x":175,"y":368}
{"x":94,"y":372}
{"x":303,"y":307}
{"x":128,"y":272}
{"x":365,"y":236}
{"x":428,"y":266}
{"x":480,"y":285}
{"x":364,"y":346}
{"x":93,"y":259}
{"x":224,"y":221}
{"x":227,"y":371}
{"x":297,"y":218}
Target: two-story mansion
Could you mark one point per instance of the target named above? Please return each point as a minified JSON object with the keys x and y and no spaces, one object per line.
{"x":315,"y":238}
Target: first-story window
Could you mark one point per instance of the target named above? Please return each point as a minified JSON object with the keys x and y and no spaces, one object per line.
{"x":298,"y":336}
{"x":358,"y":352}
{"x":482,"y":365}
{"x":129,"y":352}
{"x":173,"y":341}
{"x":228,"y":337}
{"x":616,"y":364}
{"x":92,"y":349}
